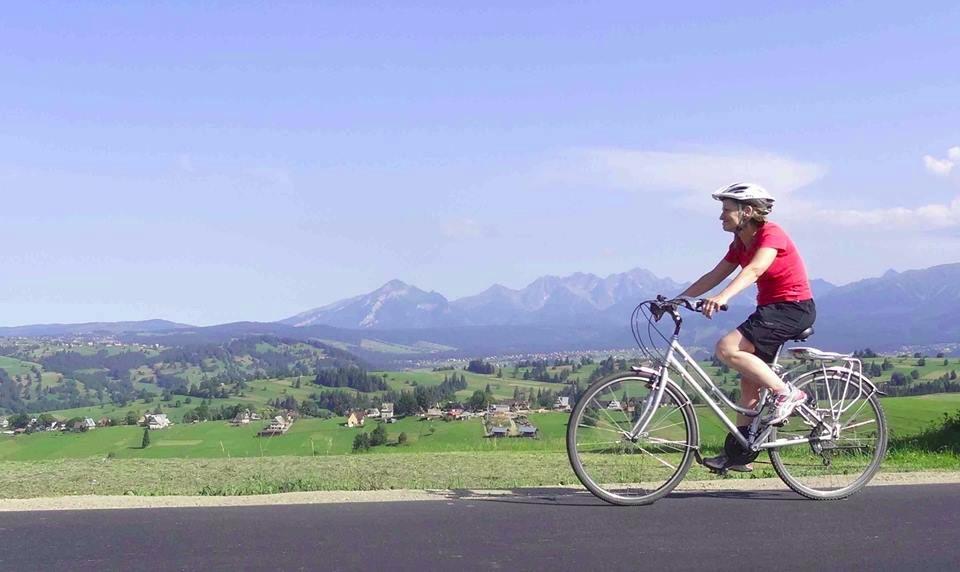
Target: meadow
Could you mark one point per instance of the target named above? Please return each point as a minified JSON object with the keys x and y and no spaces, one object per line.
{"x":214,"y":457}
{"x":323,"y":437}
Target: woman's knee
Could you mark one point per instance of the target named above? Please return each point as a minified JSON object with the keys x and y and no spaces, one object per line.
{"x":727,"y":346}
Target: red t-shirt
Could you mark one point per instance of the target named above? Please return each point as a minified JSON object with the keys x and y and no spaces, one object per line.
{"x":786,"y":279}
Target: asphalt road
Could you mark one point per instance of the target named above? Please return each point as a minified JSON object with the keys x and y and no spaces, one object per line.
{"x":882,"y":528}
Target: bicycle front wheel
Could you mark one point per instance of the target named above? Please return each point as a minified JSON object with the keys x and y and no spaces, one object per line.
{"x":617,"y":467}
{"x":846,"y":451}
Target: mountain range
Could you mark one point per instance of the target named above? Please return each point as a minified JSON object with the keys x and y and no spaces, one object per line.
{"x":577,"y":299}
{"x":399,"y":321}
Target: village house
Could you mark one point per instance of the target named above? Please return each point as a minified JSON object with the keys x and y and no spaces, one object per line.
{"x":242,"y":418}
{"x":433,"y":413}
{"x":498,"y":431}
{"x":356,"y":418}
{"x":453,"y":414}
{"x":527,"y":430}
{"x":372,"y":413}
{"x":562,"y":403}
{"x":4,"y":423}
{"x":519,"y":406}
{"x":278,"y":426}
{"x":498,"y":408}
{"x":386,"y":411}
{"x":156,"y":421}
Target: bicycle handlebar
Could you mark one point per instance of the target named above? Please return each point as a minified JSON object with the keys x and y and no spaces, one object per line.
{"x":662,"y":305}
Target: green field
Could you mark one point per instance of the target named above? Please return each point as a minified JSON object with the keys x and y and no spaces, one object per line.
{"x":14,"y":366}
{"x":217,"y":439}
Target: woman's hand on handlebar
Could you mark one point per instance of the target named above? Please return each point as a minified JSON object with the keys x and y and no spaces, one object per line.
{"x":709,"y":306}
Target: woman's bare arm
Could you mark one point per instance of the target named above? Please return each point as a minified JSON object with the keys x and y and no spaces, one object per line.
{"x":710,"y":280}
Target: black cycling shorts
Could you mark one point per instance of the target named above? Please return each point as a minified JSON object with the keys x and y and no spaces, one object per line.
{"x":773,"y":324}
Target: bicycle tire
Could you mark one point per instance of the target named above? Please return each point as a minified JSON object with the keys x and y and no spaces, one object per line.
{"x":670,"y":444}
{"x":797,"y":465}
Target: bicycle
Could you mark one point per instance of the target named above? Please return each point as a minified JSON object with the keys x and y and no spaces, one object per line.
{"x":633,"y":435}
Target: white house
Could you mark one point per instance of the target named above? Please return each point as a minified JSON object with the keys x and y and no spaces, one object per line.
{"x":156,"y":420}
{"x":562,"y":403}
{"x":386,"y":410}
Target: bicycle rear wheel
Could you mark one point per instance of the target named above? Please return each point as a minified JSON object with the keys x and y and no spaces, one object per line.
{"x":620,"y":469}
{"x":846,"y":451}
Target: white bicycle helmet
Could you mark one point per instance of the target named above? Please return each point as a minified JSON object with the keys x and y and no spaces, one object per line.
{"x":744,"y":192}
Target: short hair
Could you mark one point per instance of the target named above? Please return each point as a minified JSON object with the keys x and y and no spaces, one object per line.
{"x":761,"y":208}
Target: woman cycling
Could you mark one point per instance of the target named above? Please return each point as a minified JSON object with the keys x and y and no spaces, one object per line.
{"x":785,"y":306}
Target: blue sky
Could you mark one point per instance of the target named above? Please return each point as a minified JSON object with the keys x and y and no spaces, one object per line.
{"x":249,"y":161}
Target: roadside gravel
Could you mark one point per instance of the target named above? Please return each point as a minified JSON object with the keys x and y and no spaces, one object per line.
{"x":94,"y":502}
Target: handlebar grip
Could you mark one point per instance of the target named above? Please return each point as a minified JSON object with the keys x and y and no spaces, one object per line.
{"x":699,"y":306}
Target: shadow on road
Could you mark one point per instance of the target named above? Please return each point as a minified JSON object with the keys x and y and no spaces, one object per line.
{"x":573,"y":497}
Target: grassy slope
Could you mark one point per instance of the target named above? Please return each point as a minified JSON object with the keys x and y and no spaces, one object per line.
{"x":14,"y":366}
{"x":907,"y":415}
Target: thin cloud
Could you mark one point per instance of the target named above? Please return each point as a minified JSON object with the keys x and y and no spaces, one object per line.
{"x":942,"y":167}
{"x":932,"y":216}
{"x":659,"y":171}
{"x":936,"y":166}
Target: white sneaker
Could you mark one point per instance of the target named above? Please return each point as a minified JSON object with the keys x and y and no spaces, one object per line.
{"x":784,"y":404}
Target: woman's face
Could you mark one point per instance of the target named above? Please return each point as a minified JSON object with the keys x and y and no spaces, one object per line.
{"x":730,"y":215}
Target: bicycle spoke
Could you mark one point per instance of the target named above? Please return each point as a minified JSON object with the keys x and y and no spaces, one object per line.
{"x":833,"y":468}
{"x":666,"y":464}
{"x":624,"y":468}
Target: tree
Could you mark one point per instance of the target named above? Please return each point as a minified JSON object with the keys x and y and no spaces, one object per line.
{"x":402,"y":439}
{"x":146,"y":438}
{"x":915,"y":374}
{"x":379,"y":435}
{"x":131,"y":417}
{"x":361,"y":443}
{"x":19,"y":421}
{"x":406,"y":404}
{"x":478,"y":401}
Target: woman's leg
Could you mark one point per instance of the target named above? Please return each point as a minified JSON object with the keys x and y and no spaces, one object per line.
{"x":749,"y":397}
{"x":737,"y":352}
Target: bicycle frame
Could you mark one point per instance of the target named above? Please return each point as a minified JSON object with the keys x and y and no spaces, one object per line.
{"x":757,"y":441}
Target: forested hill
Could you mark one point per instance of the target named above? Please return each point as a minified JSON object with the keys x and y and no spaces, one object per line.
{"x":44,"y":375}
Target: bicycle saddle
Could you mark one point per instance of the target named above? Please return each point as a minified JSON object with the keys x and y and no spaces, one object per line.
{"x":802,"y":336}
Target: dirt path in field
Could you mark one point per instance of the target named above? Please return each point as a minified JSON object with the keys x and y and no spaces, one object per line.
{"x":90,"y":502}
